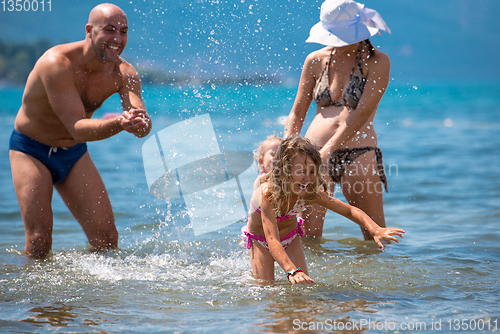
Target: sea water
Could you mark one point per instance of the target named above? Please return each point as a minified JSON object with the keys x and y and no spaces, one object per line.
{"x":441,"y":150}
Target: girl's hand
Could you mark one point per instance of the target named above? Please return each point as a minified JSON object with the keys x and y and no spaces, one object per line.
{"x":300,"y":278}
{"x":386,"y":234}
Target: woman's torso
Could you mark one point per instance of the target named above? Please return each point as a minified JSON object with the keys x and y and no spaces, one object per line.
{"x":341,"y":78}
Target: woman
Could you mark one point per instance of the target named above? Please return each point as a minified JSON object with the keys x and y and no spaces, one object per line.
{"x":347,"y":80}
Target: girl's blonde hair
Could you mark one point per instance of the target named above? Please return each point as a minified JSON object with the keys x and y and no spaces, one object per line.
{"x":264,"y":146}
{"x":279,"y":179}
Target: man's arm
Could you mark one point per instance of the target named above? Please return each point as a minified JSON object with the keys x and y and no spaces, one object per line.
{"x":130,"y":94}
{"x":57,"y":75}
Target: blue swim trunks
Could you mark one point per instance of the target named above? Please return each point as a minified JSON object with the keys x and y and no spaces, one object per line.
{"x":59,"y":160}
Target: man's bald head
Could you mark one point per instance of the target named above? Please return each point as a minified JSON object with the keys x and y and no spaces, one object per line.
{"x":104,"y":11}
{"x":107,"y":31}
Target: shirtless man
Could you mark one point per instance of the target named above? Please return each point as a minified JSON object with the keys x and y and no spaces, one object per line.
{"x":48,"y":146}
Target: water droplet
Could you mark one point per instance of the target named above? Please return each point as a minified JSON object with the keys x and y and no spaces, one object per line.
{"x":407,"y":123}
{"x":448,"y":123}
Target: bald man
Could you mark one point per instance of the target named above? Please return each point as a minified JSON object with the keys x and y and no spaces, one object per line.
{"x":48,"y":145}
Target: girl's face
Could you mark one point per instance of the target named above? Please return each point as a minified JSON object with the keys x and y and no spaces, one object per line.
{"x":304,"y":173}
{"x":266,"y":160}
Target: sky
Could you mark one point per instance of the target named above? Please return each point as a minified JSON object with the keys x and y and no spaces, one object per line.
{"x":432,"y":40}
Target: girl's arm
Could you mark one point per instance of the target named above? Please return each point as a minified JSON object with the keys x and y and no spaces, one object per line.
{"x":359,"y":217}
{"x":271,"y":232}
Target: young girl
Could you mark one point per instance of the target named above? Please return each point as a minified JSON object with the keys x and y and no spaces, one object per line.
{"x":293,"y":183}
{"x":265,"y":155}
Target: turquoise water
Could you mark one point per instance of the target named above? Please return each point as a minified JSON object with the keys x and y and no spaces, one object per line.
{"x":441,"y":142}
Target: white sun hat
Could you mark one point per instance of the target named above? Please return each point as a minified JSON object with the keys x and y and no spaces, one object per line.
{"x":345,"y":22}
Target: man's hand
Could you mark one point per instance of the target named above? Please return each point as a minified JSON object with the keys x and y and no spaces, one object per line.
{"x":136,"y":121}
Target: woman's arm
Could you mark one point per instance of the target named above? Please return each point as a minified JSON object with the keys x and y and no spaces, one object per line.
{"x":303,"y":98}
{"x":359,"y":217}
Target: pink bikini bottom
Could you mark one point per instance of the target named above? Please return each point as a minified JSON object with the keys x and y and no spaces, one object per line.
{"x":285,"y":241}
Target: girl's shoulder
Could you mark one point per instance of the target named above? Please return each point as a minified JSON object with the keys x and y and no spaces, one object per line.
{"x":262,"y":189}
{"x":317,"y":197}
{"x":266,"y":190}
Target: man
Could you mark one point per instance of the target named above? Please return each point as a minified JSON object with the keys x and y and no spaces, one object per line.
{"x":48,"y":146}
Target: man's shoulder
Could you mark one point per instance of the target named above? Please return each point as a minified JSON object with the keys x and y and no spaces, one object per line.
{"x":59,"y":57}
{"x":125,"y":68}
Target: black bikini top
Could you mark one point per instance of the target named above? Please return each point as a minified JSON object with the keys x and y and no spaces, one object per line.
{"x":352,"y":94}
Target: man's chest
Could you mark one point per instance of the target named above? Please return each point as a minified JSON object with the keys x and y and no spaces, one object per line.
{"x":95,"y":89}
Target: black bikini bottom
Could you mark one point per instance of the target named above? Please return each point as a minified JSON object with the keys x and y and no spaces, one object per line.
{"x":344,"y":157}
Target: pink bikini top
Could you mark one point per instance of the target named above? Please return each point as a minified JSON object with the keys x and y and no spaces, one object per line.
{"x":297,"y":208}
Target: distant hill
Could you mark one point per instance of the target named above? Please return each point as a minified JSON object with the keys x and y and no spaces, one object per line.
{"x":17,"y":60}
{"x":431,"y":40}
